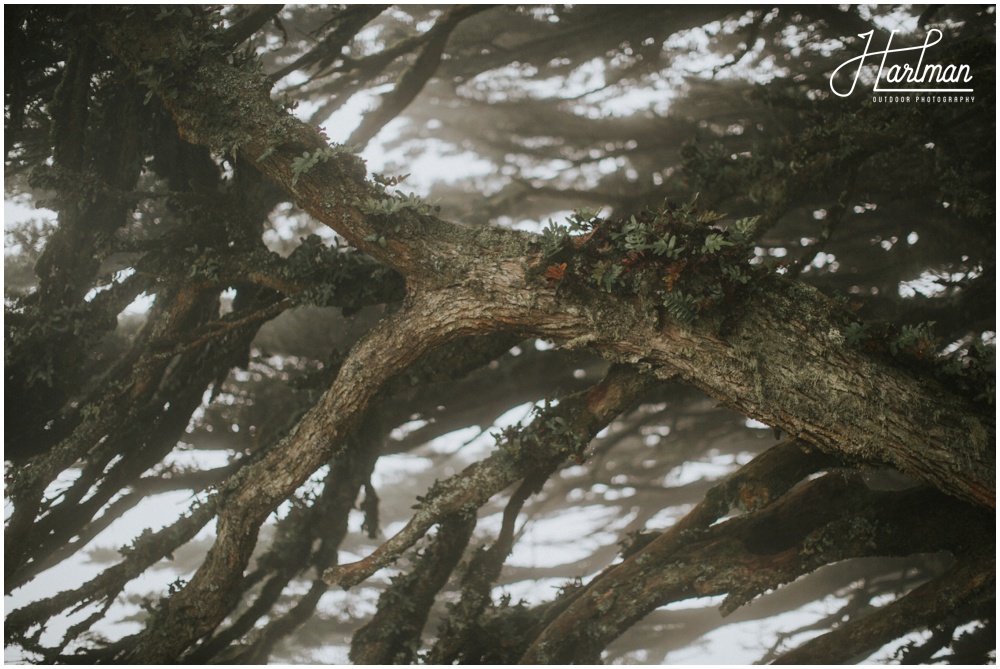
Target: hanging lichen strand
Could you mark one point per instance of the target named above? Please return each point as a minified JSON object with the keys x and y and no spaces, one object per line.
{"x":674,"y":257}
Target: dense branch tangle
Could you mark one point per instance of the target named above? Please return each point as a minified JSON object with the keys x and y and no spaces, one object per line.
{"x":779,"y":357}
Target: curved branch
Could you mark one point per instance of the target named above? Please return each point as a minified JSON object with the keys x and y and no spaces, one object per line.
{"x":388,"y":349}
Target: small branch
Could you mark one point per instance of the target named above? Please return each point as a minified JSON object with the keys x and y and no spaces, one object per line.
{"x":194,"y":481}
{"x":393,"y":633}
{"x":348,"y":23}
{"x":585,"y":414}
{"x":222,"y":327}
{"x":483,"y":571}
{"x":412,"y":81}
{"x":145,"y":552}
{"x":255,"y":19}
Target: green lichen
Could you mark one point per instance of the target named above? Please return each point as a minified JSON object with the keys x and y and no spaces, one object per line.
{"x":673,"y":258}
{"x":393,"y":204}
{"x":308,"y":160}
{"x":970,"y":369}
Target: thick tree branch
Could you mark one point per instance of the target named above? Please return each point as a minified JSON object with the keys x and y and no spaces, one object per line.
{"x":971,"y":577}
{"x":751,"y":554}
{"x":255,"y":491}
{"x":753,"y":487}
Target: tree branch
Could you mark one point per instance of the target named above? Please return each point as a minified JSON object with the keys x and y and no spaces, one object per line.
{"x":255,"y":19}
{"x":393,"y":634}
{"x":557,"y":433}
{"x":748,"y":555}
{"x":412,"y":81}
{"x":146,"y":551}
{"x":389,"y":348}
{"x":971,"y":577}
